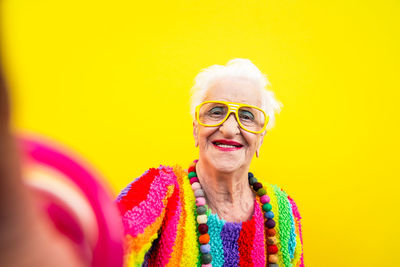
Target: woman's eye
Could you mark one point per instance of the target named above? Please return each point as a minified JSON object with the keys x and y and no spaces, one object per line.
{"x":246,"y":115}
{"x":216,"y":111}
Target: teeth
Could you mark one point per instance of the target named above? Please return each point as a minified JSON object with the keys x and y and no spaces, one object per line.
{"x":223,"y":145}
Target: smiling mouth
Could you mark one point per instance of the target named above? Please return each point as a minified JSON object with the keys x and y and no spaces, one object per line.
{"x":224,"y":144}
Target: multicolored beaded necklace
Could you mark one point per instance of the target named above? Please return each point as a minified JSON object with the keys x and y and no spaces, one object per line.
{"x":204,"y":237}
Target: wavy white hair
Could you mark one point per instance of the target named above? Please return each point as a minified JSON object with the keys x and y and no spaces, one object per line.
{"x":238,"y":68}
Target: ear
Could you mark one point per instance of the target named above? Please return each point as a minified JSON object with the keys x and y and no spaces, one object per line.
{"x":260,"y":143}
{"x":195,"y":135}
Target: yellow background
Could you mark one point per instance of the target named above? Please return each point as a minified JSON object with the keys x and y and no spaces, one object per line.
{"x":111,"y":80}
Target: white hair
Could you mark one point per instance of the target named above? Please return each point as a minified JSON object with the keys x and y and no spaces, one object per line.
{"x":238,"y":68}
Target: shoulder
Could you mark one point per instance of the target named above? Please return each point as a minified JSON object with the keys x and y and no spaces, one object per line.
{"x":279,"y":194}
{"x":154,"y":181}
{"x":284,"y":205}
{"x":145,"y":201}
{"x":288,"y":225}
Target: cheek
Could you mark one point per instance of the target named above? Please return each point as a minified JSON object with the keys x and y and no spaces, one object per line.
{"x":205,"y":133}
{"x":252,"y":140}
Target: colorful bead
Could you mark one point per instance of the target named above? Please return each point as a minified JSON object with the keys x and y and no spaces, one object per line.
{"x":252,"y":181}
{"x":192,"y":174}
{"x":269,"y":215}
{"x":203,"y":228}
{"x":206,"y":248}
{"x":206,"y":265}
{"x":273,"y":258}
{"x":200,"y":201}
{"x":267,"y":207}
{"x":193,"y":180}
{"x":196,"y":186}
{"x":250,"y":175}
{"x":265,"y":199}
{"x":272,"y":249}
{"x":206,"y":258}
{"x":201,"y":210}
{"x":271,"y":240}
{"x":204,"y":238}
{"x":261,"y":192}
{"x":271,"y":232}
{"x":192,"y":169}
{"x":257,"y":186}
{"x":270,"y":223}
{"x":199,"y":193}
{"x":202,"y":218}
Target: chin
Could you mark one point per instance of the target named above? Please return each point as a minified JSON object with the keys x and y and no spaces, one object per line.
{"x":227,"y":165}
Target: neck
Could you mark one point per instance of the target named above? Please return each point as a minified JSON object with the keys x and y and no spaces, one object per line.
{"x":228,"y":194}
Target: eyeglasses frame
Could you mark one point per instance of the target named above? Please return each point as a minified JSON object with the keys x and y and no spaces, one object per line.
{"x":233,"y":107}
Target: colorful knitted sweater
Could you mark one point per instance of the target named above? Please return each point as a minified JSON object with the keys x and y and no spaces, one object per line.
{"x":158,"y":213}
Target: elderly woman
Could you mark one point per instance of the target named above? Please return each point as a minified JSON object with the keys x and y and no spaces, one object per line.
{"x":216,"y":213}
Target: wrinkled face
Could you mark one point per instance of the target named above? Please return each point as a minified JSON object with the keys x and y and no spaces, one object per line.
{"x":227,"y":147}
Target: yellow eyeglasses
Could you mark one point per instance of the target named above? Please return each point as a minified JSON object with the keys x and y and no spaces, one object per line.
{"x":214,"y":113}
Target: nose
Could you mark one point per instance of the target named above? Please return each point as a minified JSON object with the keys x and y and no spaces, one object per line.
{"x":230,"y":127}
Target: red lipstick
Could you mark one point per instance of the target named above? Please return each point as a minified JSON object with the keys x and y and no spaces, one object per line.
{"x":227,"y":145}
